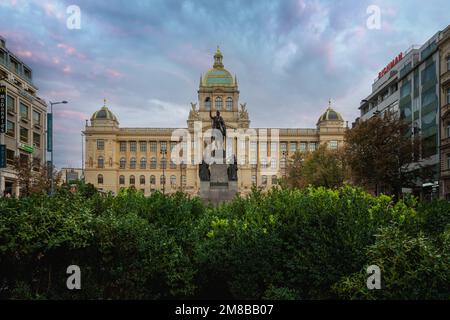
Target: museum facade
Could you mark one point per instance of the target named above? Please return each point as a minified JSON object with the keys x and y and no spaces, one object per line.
{"x":167,"y":159}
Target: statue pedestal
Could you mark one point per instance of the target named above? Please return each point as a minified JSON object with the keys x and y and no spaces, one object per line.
{"x":218,"y":189}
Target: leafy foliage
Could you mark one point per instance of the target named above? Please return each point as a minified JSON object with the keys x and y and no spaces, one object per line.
{"x":379,"y":151}
{"x":285,"y":244}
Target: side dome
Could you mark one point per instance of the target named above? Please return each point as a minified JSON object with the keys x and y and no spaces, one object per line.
{"x":104,"y":114}
{"x":330,"y":115}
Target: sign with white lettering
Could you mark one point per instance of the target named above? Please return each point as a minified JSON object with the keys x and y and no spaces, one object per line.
{"x":3,"y":109}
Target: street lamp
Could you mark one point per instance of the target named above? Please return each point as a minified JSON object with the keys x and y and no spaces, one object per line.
{"x":52,"y":190}
{"x":284,"y":153}
{"x":163,"y":152}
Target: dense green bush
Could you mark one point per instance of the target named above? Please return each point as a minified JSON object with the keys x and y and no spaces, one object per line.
{"x":286,"y":244}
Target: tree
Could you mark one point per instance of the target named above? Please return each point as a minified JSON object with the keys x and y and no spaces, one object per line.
{"x":380,"y":152}
{"x":323,"y":167}
{"x":33,"y":177}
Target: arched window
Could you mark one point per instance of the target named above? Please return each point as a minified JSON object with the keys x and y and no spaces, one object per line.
{"x":143,"y":163}
{"x":121,"y":179}
{"x":264,"y":180}
{"x":142,"y":179}
{"x":229,"y":103}
{"x":132,"y":180}
{"x":100,"y":162}
{"x":163,"y":163}
{"x":219,"y":103}
{"x":100,"y":179}
{"x":162,"y":179}
{"x":207,"y":104}
{"x":153,"y":163}
{"x":274,"y":179}
{"x":133,"y":163}
{"x":123,"y":162}
{"x":173,"y":180}
{"x":152,"y":179}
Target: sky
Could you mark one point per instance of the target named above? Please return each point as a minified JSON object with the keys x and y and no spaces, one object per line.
{"x":146,"y":57}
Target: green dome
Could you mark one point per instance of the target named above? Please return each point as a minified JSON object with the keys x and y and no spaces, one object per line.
{"x":218,"y":75}
{"x":330,"y":115}
{"x":103,"y":114}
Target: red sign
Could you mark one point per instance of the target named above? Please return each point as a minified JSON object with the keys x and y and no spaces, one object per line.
{"x":390,"y":65}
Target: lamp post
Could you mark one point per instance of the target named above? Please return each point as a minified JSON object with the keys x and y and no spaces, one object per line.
{"x":163,"y":152}
{"x":52,"y":190}
{"x":284,"y":153}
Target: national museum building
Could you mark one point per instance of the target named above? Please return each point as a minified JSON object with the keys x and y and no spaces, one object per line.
{"x":149,"y":158}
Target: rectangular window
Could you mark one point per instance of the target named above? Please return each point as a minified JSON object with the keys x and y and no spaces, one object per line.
{"x":405,"y":89}
{"x":263,"y":148}
{"x":302,"y":146}
{"x":448,"y":63}
{"x":11,"y":104}
{"x":36,"y":139}
{"x":10,"y":155}
{"x":283,"y":147}
{"x":123,"y":146}
{"x":11,"y":129}
{"x":293,"y":146}
{"x":448,"y":161}
{"x":333,"y":144}
{"x":448,"y":131}
{"x":163,"y":146}
{"x":253,"y":152}
{"x":153,"y":146}
{"x":448,"y":95}
{"x":312,"y":146}
{"x":133,"y":146}
{"x":253,"y":179}
{"x":143,"y":146}
{"x":36,"y":118}
{"x":23,"y":111}
{"x":24,"y":134}
{"x":100,"y":144}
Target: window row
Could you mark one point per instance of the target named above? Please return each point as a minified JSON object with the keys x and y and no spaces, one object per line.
{"x":24,"y":110}
{"x":143,"y":163}
{"x":24,"y":134}
{"x":274,"y":179}
{"x":142,"y":179}
{"x":142,"y":146}
{"x":218,"y":103}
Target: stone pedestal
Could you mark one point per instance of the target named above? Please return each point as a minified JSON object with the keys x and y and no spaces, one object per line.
{"x":218,"y":189}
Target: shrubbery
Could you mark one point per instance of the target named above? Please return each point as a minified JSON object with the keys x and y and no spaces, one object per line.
{"x":287,"y":244}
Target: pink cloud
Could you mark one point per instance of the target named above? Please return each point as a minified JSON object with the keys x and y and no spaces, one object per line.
{"x":67,"y":70}
{"x":69,"y":50}
{"x":69,"y":114}
{"x":114,"y":73}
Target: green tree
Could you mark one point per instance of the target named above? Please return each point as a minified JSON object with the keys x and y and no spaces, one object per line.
{"x":321,"y":168}
{"x":33,"y":177}
{"x":379,"y":152}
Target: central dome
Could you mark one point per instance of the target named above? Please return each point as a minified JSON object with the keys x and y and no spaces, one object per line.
{"x":218,"y":75}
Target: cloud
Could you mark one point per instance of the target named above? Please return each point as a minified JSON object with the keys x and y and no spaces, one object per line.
{"x":145,"y":57}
